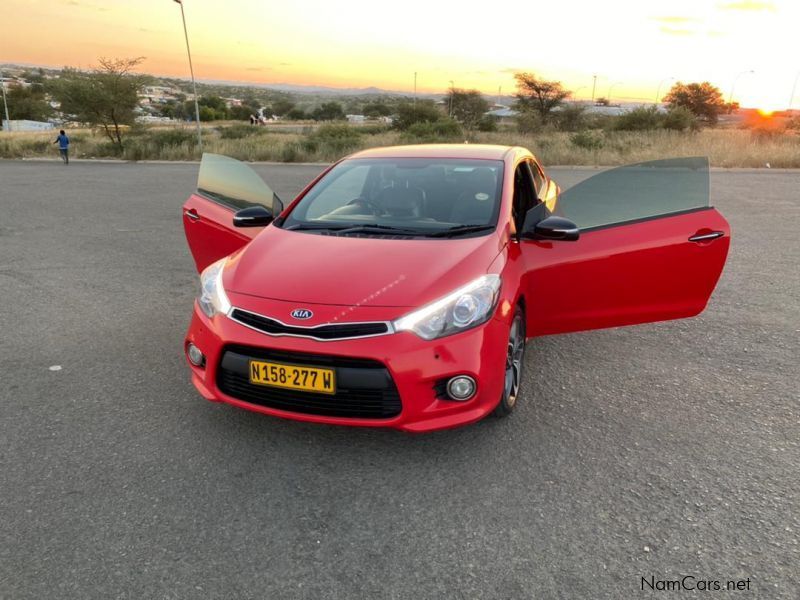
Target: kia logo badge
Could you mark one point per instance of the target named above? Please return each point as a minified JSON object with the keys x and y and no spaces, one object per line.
{"x":302,"y":313}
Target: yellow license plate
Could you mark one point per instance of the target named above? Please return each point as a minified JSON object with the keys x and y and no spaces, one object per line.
{"x":293,"y":377}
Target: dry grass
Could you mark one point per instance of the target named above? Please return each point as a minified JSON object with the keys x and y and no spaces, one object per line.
{"x":725,"y":147}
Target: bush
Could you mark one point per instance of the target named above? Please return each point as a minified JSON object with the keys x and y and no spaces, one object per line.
{"x":443,"y":130}
{"x":588,"y":140}
{"x":529,"y":122}
{"x":296,"y":114}
{"x":487,"y":123}
{"x":161,"y":138}
{"x":571,"y":118}
{"x":332,"y":139}
{"x":679,"y":118}
{"x":409,"y":114}
{"x":639,"y":119}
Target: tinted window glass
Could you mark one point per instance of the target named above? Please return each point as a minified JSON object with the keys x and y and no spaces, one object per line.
{"x":234,"y":184}
{"x":638,"y":191}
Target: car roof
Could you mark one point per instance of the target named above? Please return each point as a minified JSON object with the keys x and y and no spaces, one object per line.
{"x":480,"y":151}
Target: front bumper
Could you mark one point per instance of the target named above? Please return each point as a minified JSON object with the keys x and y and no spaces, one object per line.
{"x":413,"y":365}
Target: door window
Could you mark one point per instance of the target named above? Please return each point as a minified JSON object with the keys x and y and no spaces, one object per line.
{"x":234,"y":184}
{"x":524,"y":195}
{"x":637,"y":192}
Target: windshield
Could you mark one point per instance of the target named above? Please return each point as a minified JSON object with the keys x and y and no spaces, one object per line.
{"x":409,"y":196}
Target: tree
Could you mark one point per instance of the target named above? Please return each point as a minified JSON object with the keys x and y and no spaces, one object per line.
{"x":106,"y":97}
{"x":281,"y":107}
{"x":376,"y":109}
{"x":538,"y":95}
{"x":423,"y":111}
{"x":296,"y":114}
{"x":703,"y":99}
{"x":329,"y":111}
{"x":27,"y":103}
{"x":468,"y":107}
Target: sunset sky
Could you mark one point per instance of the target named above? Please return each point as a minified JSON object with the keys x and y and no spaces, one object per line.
{"x":630,"y":45}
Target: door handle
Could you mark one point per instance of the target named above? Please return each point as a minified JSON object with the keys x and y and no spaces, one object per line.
{"x":706,"y":237}
{"x":192,"y":214}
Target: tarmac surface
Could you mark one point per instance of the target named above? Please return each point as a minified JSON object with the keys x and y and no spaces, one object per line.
{"x":663,"y":451}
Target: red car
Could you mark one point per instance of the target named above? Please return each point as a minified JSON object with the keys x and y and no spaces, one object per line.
{"x":401,"y":285}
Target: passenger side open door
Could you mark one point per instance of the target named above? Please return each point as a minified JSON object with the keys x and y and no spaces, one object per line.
{"x":224,"y":187}
{"x":650,"y":248}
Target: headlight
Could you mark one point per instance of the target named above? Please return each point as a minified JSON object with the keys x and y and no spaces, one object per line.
{"x":466,"y":307}
{"x":212,"y":299}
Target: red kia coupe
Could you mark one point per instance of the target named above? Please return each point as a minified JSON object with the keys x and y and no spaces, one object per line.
{"x":401,"y":285}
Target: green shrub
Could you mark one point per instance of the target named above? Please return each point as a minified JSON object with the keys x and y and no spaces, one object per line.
{"x":335,"y":138}
{"x":529,"y":122}
{"x":679,"y":118}
{"x":639,"y":119}
{"x":409,"y":114}
{"x":487,"y":123}
{"x":571,"y":117}
{"x":443,"y":130}
{"x":161,"y":138}
{"x":373,"y":129}
{"x":588,"y":140}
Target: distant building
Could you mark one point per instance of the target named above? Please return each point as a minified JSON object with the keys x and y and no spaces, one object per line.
{"x":25,"y":125}
{"x":355,"y":118}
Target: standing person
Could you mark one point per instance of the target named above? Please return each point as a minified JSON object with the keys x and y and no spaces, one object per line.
{"x":63,"y":146}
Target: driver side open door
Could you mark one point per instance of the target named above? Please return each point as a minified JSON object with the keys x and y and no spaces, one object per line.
{"x":224,"y":186}
{"x":650,"y":249}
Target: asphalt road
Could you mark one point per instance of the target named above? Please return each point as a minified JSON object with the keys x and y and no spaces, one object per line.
{"x":660,"y":450}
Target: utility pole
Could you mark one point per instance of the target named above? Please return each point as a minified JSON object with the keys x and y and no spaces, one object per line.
{"x":452,"y":93}
{"x":194,"y":85}
{"x":594,"y":86}
{"x":794,"y":88}
{"x":5,"y":104}
{"x":415,"y":88}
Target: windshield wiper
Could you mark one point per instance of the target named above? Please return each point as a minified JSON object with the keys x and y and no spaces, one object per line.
{"x":312,"y":227}
{"x":460,"y":229}
{"x":375,"y":228}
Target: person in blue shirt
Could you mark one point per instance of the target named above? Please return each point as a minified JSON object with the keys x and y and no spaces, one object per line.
{"x":63,"y":146}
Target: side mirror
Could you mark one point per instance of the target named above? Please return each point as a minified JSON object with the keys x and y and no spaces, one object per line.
{"x":252,"y":216}
{"x":556,"y":228}
{"x":552,"y":228}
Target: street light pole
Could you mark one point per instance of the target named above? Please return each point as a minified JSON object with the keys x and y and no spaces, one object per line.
{"x":452,"y":92}
{"x":794,"y":88}
{"x":658,"y":91}
{"x":733,"y":87}
{"x":5,"y":104}
{"x":194,"y":85}
{"x":415,"y":88}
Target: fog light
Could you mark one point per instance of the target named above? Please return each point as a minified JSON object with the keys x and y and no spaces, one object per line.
{"x":461,"y":388}
{"x":195,"y":356}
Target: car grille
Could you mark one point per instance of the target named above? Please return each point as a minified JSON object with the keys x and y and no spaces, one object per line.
{"x":365,"y":389}
{"x":336,"y":331}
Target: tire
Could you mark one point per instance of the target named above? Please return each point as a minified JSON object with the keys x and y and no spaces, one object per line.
{"x":515,"y":361}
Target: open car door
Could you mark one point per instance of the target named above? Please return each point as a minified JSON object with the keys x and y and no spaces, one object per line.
{"x":224,"y":186}
{"x":650,"y":249}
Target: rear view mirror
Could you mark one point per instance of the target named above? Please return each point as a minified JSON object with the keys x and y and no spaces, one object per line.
{"x":253,"y":216}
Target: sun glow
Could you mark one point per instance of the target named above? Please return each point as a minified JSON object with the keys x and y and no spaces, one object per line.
{"x":624,"y":48}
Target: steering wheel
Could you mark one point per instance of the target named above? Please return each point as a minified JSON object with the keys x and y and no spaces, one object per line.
{"x":376,"y":210}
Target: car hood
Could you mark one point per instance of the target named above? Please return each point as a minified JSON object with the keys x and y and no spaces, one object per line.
{"x":309,"y":268}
